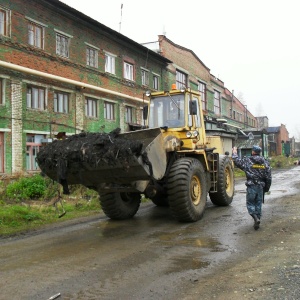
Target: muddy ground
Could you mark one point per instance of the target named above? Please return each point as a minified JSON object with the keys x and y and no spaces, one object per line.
{"x":152,"y":256}
{"x":267,"y":266}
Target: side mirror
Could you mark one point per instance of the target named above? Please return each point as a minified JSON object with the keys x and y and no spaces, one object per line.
{"x":145,"y":112}
{"x":193,"y":107}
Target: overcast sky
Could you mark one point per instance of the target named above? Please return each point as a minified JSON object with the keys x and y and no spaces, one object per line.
{"x":252,"y":46}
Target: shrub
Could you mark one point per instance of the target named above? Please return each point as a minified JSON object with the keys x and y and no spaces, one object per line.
{"x":26,"y":188}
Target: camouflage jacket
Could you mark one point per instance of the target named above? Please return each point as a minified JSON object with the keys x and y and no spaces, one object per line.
{"x":257,"y":170}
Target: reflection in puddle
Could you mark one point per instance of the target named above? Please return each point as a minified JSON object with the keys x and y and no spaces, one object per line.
{"x":174,"y":238}
{"x":188,"y":262}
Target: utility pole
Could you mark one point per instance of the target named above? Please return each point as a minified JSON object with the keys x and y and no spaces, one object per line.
{"x":120,"y":19}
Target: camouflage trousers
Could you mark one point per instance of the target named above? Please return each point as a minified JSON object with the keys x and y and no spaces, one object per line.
{"x":254,"y":199}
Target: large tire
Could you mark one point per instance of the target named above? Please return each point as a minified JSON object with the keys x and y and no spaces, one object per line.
{"x":225,"y":184}
{"x":187,"y":190}
{"x":120,"y":206}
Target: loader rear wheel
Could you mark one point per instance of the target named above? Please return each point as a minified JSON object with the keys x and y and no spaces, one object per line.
{"x":225,"y":185}
{"x":187,"y":190}
{"x":120,"y":206}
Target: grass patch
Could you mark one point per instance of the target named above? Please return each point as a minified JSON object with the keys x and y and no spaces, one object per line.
{"x":16,"y":218}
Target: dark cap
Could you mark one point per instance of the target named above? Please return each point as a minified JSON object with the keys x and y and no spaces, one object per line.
{"x":256,"y":149}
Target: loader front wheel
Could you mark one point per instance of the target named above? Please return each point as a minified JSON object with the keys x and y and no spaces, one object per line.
{"x":225,"y":184}
{"x":187,"y":190}
{"x":120,"y":206}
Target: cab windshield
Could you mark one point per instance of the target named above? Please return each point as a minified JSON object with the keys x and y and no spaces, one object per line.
{"x":167,"y":111}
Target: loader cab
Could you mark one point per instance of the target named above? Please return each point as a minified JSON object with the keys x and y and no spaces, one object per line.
{"x":177,"y":109}
{"x":167,"y":112}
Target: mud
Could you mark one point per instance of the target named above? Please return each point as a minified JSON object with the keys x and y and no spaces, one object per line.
{"x":154,"y":257}
{"x":88,"y":149}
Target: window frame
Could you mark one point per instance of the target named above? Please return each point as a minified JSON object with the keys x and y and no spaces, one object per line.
{"x":30,"y":155}
{"x":91,"y":107}
{"x":181,"y":79}
{"x":129,"y":114}
{"x":41,"y":39}
{"x":2,"y":156}
{"x":145,"y":77}
{"x":202,"y":91}
{"x":128,"y":71}
{"x":2,"y":91}
{"x":155,"y":82}
{"x":5,"y":24}
{"x":109,"y":111}
{"x":38,"y":104}
{"x":110,"y":63}
{"x":63,"y":49}
{"x":92,"y":61}
{"x":217,"y":102}
{"x":64,"y":106}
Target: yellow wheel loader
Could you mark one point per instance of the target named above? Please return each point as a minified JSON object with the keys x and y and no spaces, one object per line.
{"x":177,"y":159}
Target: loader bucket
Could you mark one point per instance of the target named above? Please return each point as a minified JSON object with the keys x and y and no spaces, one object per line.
{"x":91,"y":159}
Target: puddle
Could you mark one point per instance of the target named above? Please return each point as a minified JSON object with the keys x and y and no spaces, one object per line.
{"x":187,"y":262}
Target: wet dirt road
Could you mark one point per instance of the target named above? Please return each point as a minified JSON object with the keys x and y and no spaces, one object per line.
{"x":154,"y":257}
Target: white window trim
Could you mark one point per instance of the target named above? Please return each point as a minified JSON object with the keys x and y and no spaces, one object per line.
{"x":3,"y":88}
{"x":57,"y":107}
{"x":114,"y":56}
{"x":36,"y":22}
{"x":115,"y":109}
{"x":124,"y":70}
{"x":93,"y":99}
{"x":28,"y":82}
{"x":181,"y":69}
{"x":92,"y":46}
{"x":146,"y":70}
{"x":63,"y":33}
{"x":96,"y":53}
{"x":8,"y":22}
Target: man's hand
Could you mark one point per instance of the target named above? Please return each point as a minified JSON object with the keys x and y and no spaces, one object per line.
{"x":234,"y":150}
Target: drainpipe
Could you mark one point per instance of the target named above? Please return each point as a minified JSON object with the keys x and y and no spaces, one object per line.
{"x":66,"y":80}
{"x":231,"y":111}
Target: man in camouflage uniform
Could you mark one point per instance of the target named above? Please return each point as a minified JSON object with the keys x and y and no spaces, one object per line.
{"x":259,"y":179}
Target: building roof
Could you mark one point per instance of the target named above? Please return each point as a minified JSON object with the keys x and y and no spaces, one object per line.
{"x":273,"y":129}
{"x":106,"y":31}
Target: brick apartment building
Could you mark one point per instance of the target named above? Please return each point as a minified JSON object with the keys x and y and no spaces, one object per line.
{"x":189,"y":70}
{"x":61,"y":71}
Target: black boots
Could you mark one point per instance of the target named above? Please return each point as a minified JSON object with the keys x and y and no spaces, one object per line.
{"x":256,"y":221}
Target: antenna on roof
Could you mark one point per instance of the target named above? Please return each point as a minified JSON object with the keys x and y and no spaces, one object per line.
{"x":121,"y":18}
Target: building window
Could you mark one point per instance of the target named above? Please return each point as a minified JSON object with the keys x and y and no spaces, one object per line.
{"x":181,"y":80}
{"x":62,"y":45}
{"x":36,"y":98}
{"x":92,"y":57}
{"x":217,"y":103}
{"x":109,"y":111}
{"x":61,"y":102}
{"x":128,"y":71}
{"x":33,"y":144}
{"x":202,"y":90}
{"x":1,"y":91}
{"x":110,"y":63}
{"x":91,"y":108}
{"x":155,"y":82}
{"x":4,"y":21}
{"x":145,"y":77}
{"x":36,"y":35}
{"x":129,"y":114}
{"x":1,"y":152}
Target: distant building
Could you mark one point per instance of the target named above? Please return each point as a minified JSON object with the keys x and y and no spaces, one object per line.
{"x":279,"y":142}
